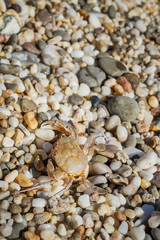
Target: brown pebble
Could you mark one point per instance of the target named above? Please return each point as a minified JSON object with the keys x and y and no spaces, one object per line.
{"x":81,"y":230}
{"x":31,"y":47}
{"x":124,"y":83}
{"x":23,"y":181}
{"x":116,"y":236}
{"x":136,"y":200}
{"x":14,"y":208}
{"x":44,"y":17}
{"x":120,"y":216}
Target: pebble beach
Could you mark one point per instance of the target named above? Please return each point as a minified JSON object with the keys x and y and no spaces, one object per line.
{"x":96,"y":63}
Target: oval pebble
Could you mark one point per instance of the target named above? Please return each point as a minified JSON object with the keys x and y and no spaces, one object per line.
{"x":8,"y":142}
{"x":122,"y":133}
{"x":39,"y":202}
{"x":147,"y":161}
{"x":112,"y":122}
{"x":45,"y":134}
{"x":96,"y":168}
{"x":83,"y":201}
{"x":83,"y":90}
{"x":11,"y":176}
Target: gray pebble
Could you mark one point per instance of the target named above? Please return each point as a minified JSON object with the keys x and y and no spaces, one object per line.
{"x":147,"y":237}
{"x":70,"y":222}
{"x":11,"y":100}
{"x":12,"y":86}
{"x":43,"y":68}
{"x":92,"y":76}
{"x":75,"y":99}
{"x":41,"y":218}
{"x":9,"y":69}
{"x":57,"y":206}
{"x":112,"y":11}
{"x":65,"y":35}
{"x":125,"y":107}
{"x":28,"y":105}
{"x":8,"y":149}
{"x":131,"y":141}
{"x":17,"y":228}
{"x":13,"y":41}
{"x":24,"y":56}
{"x":112,"y":66}
{"x":42,"y":116}
{"x":41,"y":44}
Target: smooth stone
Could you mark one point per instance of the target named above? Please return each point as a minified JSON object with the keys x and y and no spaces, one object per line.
{"x":52,"y":55}
{"x":148,"y":237}
{"x":41,"y":44}
{"x":111,"y":11}
{"x":12,"y":86}
{"x":132,"y":151}
{"x":7,"y":23}
{"x":155,"y":233}
{"x":133,"y":79}
{"x":92,"y":76}
{"x":137,"y":233}
{"x":57,"y":206}
{"x":95,"y":101}
{"x":131,"y":141}
{"x":43,"y":68}
{"x":42,"y":116}
{"x":121,"y":133}
{"x":112,"y":123}
{"x":125,"y":107}
{"x":96,"y":168}
{"x":64,"y":34}
{"x":44,"y":16}
{"x":154,"y":220}
{"x":24,"y":56}
{"x":8,"y":68}
{"x":17,"y":228}
{"x":148,"y":160}
{"x":112,"y":66}
{"x":27,"y":105}
{"x":75,"y":99}
{"x":99,"y":158}
{"x":13,"y":41}
{"x":98,"y":179}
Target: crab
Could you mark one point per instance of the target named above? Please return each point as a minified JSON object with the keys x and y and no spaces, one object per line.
{"x":72,"y":160}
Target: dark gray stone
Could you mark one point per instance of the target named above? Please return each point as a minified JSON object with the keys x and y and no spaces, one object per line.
{"x":42,"y":116}
{"x":65,"y":35}
{"x":9,"y":69}
{"x":24,"y":56}
{"x":92,"y":76}
{"x":112,"y":11}
{"x":12,"y":86}
{"x":112,"y":66}
{"x":125,"y":107}
{"x":13,"y":41}
{"x":155,"y":232}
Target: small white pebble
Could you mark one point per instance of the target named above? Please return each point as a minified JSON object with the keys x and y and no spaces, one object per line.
{"x":13,"y":121}
{"x":39,"y":202}
{"x":77,"y":54}
{"x":8,"y":142}
{"x":61,"y":229}
{"x":83,"y":201}
{"x":83,"y":90}
{"x":11,"y":176}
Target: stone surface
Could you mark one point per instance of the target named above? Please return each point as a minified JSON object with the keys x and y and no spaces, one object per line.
{"x":64,"y":34}
{"x":126,"y":108}
{"x":28,"y":105}
{"x":112,"y":66}
{"x":92,"y":76}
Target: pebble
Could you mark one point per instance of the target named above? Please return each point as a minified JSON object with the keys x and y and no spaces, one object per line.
{"x":17,"y":228}
{"x":28,"y":105}
{"x":31,"y":235}
{"x":83,"y":201}
{"x":112,"y":123}
{"x":92,"y":76}
{"x":147,"y":161}
{"x":111,"y":11}
{"x":155,"y":233}
{"x":9,"y":69}
{"x":75,"y":99}
{"x":23,"y":181}
{"x":8,"y":142}
{"x":51,"y":55}
{"x":10,"y":177}
{"x":61,"y":229}
{"x":112,"y":66}
{"x":45,"y":134}
{"x":137,"y":233}
{"x":99,"y":158}
{"x":125,"y":107}
{"x":83,"y":90}
{"x":154,"y":220}
{"x":140,"y":26}
{"x":121,"y":133}
{"x":64,"y":34}
{"x":123,"y":228}
{"x":153,"y":102}
{"x":131,"y":141}
{"x":30,"y":120}
{"x":41,"y":218}
{"x":39,"y":202}
{"x":94,"y":21}
{"x":96,"y":168}
{"x":97,"y":179}
{"x":44,"y":16}
{"x":88,"y":222}
{"x":133,"y":186}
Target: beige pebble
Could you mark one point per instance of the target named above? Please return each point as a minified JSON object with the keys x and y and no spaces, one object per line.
{"x":30,"y":120}
{"x":11,"y":176}
{"x":153,"y":102}
{"x":47,"y":234}
{"x":148,"y":160}
{"x":122,"y":133}
{"x":129,"y":213}
{"x":103,"y":209}
{"x":18,"y":137}
{"x":31,"y":236}
{"x":145,"y":183}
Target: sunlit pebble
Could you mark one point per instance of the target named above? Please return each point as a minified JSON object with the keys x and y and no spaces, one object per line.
{"x":153,"y":102}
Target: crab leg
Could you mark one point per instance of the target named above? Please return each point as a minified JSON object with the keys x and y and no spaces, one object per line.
{"x":65,"y":188}
{"x":61,"y":126}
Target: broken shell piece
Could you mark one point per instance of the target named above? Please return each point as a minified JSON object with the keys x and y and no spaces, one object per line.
{"x":8,"y":20}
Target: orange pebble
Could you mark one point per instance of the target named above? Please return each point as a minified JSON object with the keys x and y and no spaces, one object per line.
{"x":125,"y":84}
